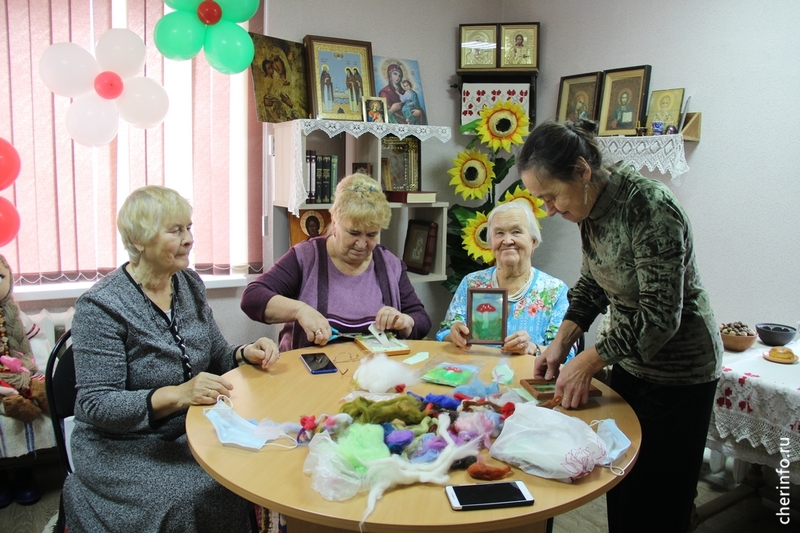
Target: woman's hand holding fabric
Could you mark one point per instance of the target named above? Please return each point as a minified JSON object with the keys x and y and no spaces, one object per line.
{"x":264,"y":353}
{"x":516,"y":343}
{"x":389,"y":318}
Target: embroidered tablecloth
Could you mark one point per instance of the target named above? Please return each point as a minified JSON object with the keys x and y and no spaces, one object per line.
{"x":756,"y":415}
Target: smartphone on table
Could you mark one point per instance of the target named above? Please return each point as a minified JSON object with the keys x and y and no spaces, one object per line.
{"x":318,"y":363}
{"x":474,"y":496}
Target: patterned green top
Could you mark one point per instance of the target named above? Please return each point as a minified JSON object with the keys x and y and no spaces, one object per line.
{"x":638,"y":259}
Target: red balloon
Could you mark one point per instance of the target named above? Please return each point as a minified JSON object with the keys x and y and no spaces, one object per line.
{"x":9,"y":164}
{"x":209,"y":12}
{"x":9,"y":221}
{"x":108,"y":85}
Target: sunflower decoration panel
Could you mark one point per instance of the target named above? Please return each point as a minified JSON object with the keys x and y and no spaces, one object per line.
{"x":477,"y":170}
{"x":475,"y":97}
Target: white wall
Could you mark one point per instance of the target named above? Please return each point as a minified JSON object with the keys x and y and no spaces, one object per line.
{"x":737,"y":60}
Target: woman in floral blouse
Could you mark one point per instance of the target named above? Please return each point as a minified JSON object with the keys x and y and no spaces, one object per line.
{"x":537,"y":301}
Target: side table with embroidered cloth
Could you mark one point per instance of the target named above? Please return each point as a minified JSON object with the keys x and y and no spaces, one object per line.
{"x":756,"y":415}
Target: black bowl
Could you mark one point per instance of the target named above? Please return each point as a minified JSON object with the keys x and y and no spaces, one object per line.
{"x":775,"y":334}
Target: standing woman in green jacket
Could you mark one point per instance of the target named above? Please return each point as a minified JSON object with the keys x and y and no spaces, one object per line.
{"x":664,"y":344}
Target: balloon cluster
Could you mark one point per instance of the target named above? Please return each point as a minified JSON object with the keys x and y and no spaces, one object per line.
{"x":104,"y":89}
{"x":208,"y":24}
{"x":9,"y":170}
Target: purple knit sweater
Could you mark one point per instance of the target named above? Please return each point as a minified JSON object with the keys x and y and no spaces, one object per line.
{"x":306,"y":273}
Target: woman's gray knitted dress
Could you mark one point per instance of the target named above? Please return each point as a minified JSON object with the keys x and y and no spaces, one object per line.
{"x":132,"y":473}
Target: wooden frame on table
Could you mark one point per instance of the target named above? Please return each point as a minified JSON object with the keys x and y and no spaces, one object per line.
{"x":665,"y":106}
{"x":420,"y":246}
{"x":622,"y":106}
{"x":519,"y":46}
{"x":374,"y":109}
{"x":487,"y":315}
{"x":339,"y":76}
{"x":579,"y":97}
{"x":478,"y":46}
{"x":400,"y":163}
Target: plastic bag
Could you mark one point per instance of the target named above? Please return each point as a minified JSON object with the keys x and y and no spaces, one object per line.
{"x":549,"y":444}
{"x":445,"y":371}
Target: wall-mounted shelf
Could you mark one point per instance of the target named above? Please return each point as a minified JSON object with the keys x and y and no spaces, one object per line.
{"x":352,"y":142}
{"x":662,"y":152}
{"x":361,"y":143}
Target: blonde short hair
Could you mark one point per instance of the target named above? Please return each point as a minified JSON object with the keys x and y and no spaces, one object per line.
{"x":145,"y":212}
{"x":360,"y":199}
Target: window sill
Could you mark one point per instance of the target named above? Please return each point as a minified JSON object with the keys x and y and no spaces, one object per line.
{"x":66,"y":291}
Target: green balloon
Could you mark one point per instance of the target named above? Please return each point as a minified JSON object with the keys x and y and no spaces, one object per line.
{"x":229,"y":49}
{"x":238,"y":10}
{"x":184,"y":5}
{"x":179,"y":35}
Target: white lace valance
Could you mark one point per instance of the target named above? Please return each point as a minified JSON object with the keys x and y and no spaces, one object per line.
{"x":378,"y":129}
{"x":662,"y":152}
{"x":298,"y":192}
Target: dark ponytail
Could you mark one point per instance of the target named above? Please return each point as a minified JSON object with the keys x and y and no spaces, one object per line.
{"x":554,"y":149}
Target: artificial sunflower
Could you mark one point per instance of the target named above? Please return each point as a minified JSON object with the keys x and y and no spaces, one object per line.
{"x":523,"y":195}
{"x":472,"y":174}
{"x":474,"y":240}
{"x":502,"y":125}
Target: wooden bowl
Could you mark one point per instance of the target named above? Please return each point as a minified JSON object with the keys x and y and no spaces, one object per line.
{"x":737,"y":343}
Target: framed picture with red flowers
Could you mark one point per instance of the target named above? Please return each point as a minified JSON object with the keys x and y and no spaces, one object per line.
{"x":487,"y":315}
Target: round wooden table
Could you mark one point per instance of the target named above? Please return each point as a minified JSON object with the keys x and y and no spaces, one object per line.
{"x":273,"y":477}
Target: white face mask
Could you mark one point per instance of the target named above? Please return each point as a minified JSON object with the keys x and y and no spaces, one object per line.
{"x":233,"y":430}
{"x":616,"y":443}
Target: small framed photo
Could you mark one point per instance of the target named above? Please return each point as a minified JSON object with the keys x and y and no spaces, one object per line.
{"x":374,"y":109}
{"x":665,"y":107}
{"x":578,"y":97}
{"x":362,"y":168}
{"x":420,"y":246}
{"x":400,"y":163}
{"x":478,"y":48}
{"x":487,"y":315}
{"x":311,"y":223}
{"x":519,"y":46}
{"x":622,"y":106}
{"x":339,"y":77}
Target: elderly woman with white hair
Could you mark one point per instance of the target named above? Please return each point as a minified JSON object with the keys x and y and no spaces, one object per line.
{"x":147,"y":348}
{"x":537,"y":300}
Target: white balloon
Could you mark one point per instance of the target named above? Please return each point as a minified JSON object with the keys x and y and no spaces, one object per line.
{"x":144,"y":102}
{"x":121,"y":51}
{"x":68,"y":70}
{"x":92,"y":120}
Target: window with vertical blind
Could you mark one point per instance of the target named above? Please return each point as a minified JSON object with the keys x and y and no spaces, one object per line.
{"x":68,"y":195}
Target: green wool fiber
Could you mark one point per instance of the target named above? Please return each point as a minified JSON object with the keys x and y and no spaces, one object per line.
{"x":362,"y":442}
{"x":405,"y":408}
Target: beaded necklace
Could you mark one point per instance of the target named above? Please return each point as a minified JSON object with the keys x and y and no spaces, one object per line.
{"x":3,"y":336}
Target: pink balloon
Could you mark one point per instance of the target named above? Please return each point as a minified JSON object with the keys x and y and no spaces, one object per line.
{"x":9,"y":221}
{"x":9,"y":164}
{"x":108,"y":85}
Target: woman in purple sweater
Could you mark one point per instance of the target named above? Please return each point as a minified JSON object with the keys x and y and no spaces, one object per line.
{"x":344,"y":280}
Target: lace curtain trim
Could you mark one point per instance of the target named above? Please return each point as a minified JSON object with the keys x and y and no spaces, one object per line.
{"x":662,"y":152}
{"x":298,"y":192}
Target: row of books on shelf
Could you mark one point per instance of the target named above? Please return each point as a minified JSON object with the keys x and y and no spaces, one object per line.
{"x":323,"y":176}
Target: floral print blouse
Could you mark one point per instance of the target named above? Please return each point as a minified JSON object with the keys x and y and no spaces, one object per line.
{"x":539,"y":311}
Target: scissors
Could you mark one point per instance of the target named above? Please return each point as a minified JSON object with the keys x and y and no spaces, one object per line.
{"x":335,"y":334}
